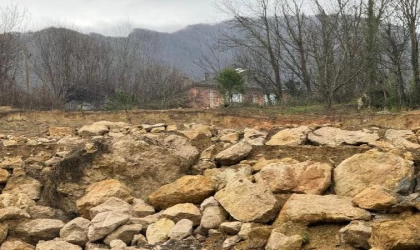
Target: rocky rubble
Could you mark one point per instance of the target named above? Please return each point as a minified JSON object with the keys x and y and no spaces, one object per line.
{"x":119,"y":186}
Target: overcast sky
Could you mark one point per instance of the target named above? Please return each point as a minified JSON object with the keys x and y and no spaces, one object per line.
{"x":103,"y":15}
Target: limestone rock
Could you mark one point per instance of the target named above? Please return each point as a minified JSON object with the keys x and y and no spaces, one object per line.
{"x":208,"y":154}
{"x":93,"y":130}
{"x":402,"y":139}
{"x":254,"y":137}
{"x":13,"y":213}
{"x":142,"y":209}
{"x":183,"y":211}
{"x":202,"y":166}
{"x":375,"y":198}
{"x":222,"y":176}
{"x":230,"y":138}
{"x":248,"y":202}
{"x":310,"y":209}
{"x":213,"y":216}
{"x":335,"y":137}
{"x":356,"y":234}
{"x":255,"y":235}
{"x":43,"y":212}
{"x":41,"y":229}
{"x":234,"y":154}
{"x":4,"y":176}
{"x":4,"y":231}
{"x":305,"y":177}
{"x":180,"y":146}
{"x":56,"y":245}
{"x":117,"y":244}
{"x":105,"y":223}
{"x":100,"y":192}
{"x":11,"y":163}
{"x":360,"y":171}
{"x":124,"y":233}
{"x":231,"y":241}
{"x":60,"y":131}
{"x":262,"y":162}
{"x":230,"y":228}
{"x":181,"y":230}
{"x":113,"y":204}
{"x":290,"y":137}
{"x":195,"y":131}
{"x":396,"y":234}
{"x":16,"y":245}
{"x":158,"y":232}
{"x":279,"y":241}
{"x":209,"y":202}
{"x":138,"y":240}
{"x":187,"y":189}
{"x":23,"y":184}
{"x":76,"y":231}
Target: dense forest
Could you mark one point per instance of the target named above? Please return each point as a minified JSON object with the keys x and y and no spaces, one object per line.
{"x":315,"y":50}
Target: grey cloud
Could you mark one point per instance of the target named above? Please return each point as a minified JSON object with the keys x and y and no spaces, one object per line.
{"x":162,"y":15}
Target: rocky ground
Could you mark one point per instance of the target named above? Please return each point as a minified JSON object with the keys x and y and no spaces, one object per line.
{"x":113,"y":185}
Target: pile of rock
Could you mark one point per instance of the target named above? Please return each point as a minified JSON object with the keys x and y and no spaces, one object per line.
{"x":222,"y":194}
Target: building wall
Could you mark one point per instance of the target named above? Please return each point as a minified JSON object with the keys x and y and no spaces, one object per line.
{"x":205,"y":97}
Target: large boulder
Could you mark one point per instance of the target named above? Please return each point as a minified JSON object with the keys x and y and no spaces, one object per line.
{"x":356,"y":234}
{"x":290,"y":137}
{"x":222,"y":176}
{"x":183,"y":211}
{"x":113,"y":204}
{"x":234,"y":154}
{"x":248,"y":202}
{"x":60,"y":131}
{"x":305,"y":177}
{"x":144,"y":163}
{"x":76,"y":231}
{"x":396,"y":234}
{"x":142,"y":209}
{"x":40,"y":229}
{"x":334,"y":137}
{"x":13,"y":213}
{"x":311,"y":209}
{"x":402,"y":139}
{"x":100,"y":192}
{"x":93,"y":130}
{"x":158,"y":232}
{"x":16,"y":245}
{"x":375,"y":198}
{"x":212,"y":217}
{"x":22,"y":201}
{"x":23,"y":184}
{"x":56,"y":245}
{"x":254,"y":137}
{"x":254,"y":235}
{"x":181,"y":230}
{"x":187,"y":189}
{"x":360,"y":171}
{"x":124,"y":233}
{"x":279,"y":241}
{"x":105,"y":223}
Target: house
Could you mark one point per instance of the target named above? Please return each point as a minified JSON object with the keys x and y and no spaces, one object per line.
{"x":204,"y":94}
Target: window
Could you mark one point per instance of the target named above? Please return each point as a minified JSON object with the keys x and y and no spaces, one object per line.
{"x":238,"y":98}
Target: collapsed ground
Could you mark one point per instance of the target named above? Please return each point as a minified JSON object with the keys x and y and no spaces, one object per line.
{"x":300,"y":160}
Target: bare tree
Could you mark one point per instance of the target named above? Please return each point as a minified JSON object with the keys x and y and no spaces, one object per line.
{"x":255,"y":30}
{"x":409,"y":14}
{"x":335,"y":45}
{"x":395,"y":67}
{"x":12,"y":22}
{"x":294,"y":42}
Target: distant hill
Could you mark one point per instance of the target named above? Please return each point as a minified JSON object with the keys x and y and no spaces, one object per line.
{"x":185,"y":47}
